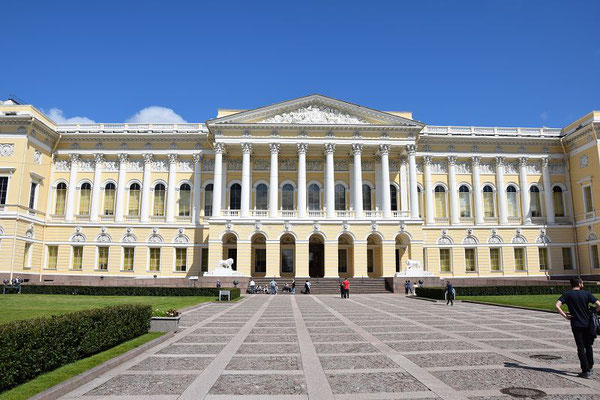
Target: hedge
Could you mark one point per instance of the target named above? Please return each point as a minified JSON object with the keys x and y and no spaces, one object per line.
{"x":126,"y":290}
{"x":438,"y":293}
{"x":34,"y":346}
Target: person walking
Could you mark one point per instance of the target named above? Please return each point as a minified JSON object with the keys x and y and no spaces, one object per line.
{"x":252,"y":286}
{"x":346,"y":285}
{"x":449,"y":292}
{"x":342,"y":292}
{"x":293,"y":286}
{"x":273,"y":285}
{"x":410,"y":288}
{"x":578,"y":301}
{"x":405,"y":287}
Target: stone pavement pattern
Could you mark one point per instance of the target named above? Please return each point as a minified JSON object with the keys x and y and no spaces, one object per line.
{"x":368,"y":347}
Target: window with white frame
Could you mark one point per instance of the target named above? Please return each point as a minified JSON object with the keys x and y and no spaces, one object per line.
{"x":471,"y":260}
{"x":128,"y":258}
{"x":102,"y":258}
{"x":27,"y":255}
{"x":558,"y":201}
{"x":393,"y":198}
{"x":60,"y":199}
{"x":420,"y":198}
{"x":77,"y":260}
{"x":495,"y":259}
{"x":262,"y":197}
{"x":154,"y":259}
{"x":159,"y":200}
{"x":535,"y":203}
{"x":185,"y":200}
{"x":85,"y":195}
{"x":366,"y":196}
{"x":204,"y":259}
{"x":3,"y":190}
{"x":567,"y":256}
{"x":464,"y":201}
{"x":512,"y":201}
{"x":180,"y":259}
{"x":445,"y":261}
{"x":235,"y":196}
{"x":440,"y":201}
{"x":314,"y":197}
{"x":520,"y":263}
{"x":287,"y":197}
{"x":588,"y":202}
{"x":109,"y":199}
{"x":208,"y":199}
{"x":340,"y":197}
{"x":33,"y":195}
{"x":52,"y":262}
{"x":543,"y":256}
{"x":489,"y":206}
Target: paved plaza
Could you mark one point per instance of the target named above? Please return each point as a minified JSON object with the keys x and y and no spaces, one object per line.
{"x":367,"y":347}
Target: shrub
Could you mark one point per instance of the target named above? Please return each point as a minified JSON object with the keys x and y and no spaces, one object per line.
{"x":126,"y":290}
{"x":32,"y":347}
{"x":438,"y":293}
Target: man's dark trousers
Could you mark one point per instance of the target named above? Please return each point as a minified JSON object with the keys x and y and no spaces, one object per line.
{"x":584,"y":340}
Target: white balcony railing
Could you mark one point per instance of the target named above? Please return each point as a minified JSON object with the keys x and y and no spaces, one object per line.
{"x":82,"y":217}
{"x":183,"y":218}
{"x":344,"y":213}
{"x":259,"y":213}
{"x":157,"y":218}
{"x":287,"y":213}
{"x":400,"y":214}
{"x":441,"y":220}
{"x":316,"y":213}
{"x":107,"y":217}
{"x":372,"y":214}
{"x":466,"y":220}
{"x":132,"y":218}
{"x":230,"y":213}
{"x":514,"y":220}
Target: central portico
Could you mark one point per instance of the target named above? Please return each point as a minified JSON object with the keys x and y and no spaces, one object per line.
{"x":302,"y":188}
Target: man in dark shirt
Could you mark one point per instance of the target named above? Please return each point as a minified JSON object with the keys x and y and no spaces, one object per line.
{"x":578,"y":301}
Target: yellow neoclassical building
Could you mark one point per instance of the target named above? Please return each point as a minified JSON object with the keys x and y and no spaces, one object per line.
{"x":311,"y":187}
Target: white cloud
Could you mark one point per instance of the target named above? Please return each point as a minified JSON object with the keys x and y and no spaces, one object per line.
{"x":156,"y":114}
{"x":57,"y":115}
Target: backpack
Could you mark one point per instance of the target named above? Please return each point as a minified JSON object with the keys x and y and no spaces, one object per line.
{"x":595,"y":321}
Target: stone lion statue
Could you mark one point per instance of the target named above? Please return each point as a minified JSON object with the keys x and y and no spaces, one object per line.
{"x":413,"y":264}
{"x":225,"y":263}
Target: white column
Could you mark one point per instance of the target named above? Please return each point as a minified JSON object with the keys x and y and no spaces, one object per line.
{"x":99,"y":159}
{"x":501,"y":192}
{"x":246,"y":150}
{"x":524,"y":190}
{"x":302,"y":149}
{"x":218,"y":179}
{"x":51,"y":189}
{"x":171,"y":188}
{"x":429,"y":216}
{"x":197,"y":187}
{"x":224,"y":181}
{"x":70,"y":206}
{"x":384,"y":150}
{"x":145,"y":211}
{"x":357,"y":181}
{"x":121,"y":187}
{"x":274,"y":181}
{"x":378,"y":183}
{"x":412,"y":180}
{"x":547,"y":191}
{"x":330,"y":180}
{"x":454,"y":208}
{"x":404,"y":187}
{"x":477,"y":195}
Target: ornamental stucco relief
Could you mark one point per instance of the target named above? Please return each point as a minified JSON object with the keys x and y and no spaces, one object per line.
{"x":261,"y":164}
{"x":160,"y":166}
{"x":208,"y":164}
{"x":557,"y":168}
{"x":438,"y":167}
{"x":185,"y":166}
{"x":37,"y":157}
{"x":315,"y":115}
{"x":367,"y":165}
{"x":340,"y":165}
{"x":463,"y":167}
{"x":287,"y":164}
{"x":534,"y":168}
{"x":7,"y":149}
{"x":487,"y":168}
{"x":314,"y":165}
{"x":583,"y":161}
{"x":510,"y":168}
{"x":234,"y":164}
{"x":135,"y":165}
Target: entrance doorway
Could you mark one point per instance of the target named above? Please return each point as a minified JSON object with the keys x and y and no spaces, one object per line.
{"x":316,"y":257}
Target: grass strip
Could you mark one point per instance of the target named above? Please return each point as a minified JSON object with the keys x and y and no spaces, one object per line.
{"x":49,"y":379}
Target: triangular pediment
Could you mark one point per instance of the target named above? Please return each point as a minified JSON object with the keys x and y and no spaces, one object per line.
{"x":314,"y":110}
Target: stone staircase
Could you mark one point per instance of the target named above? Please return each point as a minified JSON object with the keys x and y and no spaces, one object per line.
{"x":331,"y":285}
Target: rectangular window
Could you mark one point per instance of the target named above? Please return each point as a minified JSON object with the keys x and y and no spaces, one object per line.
{"x":287,"y":260}
{"x":128,"y":258}
{"x":342,"y":261}
{"x":370,"y":261}
{"x":103,"y":258}
{"x":397,"y":260}
{"x":495,"y":260}
{"x":519,"y":259}
{"x":180,"y":259}
{"x":567,"y":258}
{"x":52,"y":257}
{"x":134,"y":200}
{"x":204,"y":261}
{"x":588,"y":203}
{"x":232,"y":253}
{"x":32,"y":194}
{"x":445,"y":260}
{"x":543,"y":254}
{"x":470,"y":263}
{"x":154,"y":259}
{"x":27,"y":256}
{"x":3,"y":189}
{"x":594,"y":256}
{"x":77,"y":257}
{"x":260,"y":260}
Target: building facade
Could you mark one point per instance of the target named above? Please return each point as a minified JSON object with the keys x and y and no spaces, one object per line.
{"x":311,"y":187}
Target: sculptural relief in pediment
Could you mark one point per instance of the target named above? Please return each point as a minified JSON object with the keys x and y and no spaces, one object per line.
{"x":314,"y":114}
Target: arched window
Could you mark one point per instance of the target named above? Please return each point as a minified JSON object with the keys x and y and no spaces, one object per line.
{"x":208,"y":200}
{"x":133,"y":206}
{"x":185,"y":204}
{"x":314,"y":197}
{"x":440,"y":201}
{"x":235,"y":196}
{"x":420,"y":198}
{"x":366,"y":192}
{"x":262,"y":197}
{"x":512,"y":201}
{"x":84,"y":198}
{"x":287,"y":197}
{"x":340,"y":197}
{"x":393,"y":198}
{"x":489,"y":209}
{"x":557,"y":197}
{"x":534,"y":202}
{"x":464,"y":197}
{"x":109,"y":199}
{"x":159,"y":200}
{"x":61,"y":198}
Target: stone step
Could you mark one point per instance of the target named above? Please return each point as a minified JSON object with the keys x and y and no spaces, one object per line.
{"x":331,"y":285}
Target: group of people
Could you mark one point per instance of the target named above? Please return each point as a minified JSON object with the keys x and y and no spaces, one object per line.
{"x":273,"y":287}
{"x":345,"y":288}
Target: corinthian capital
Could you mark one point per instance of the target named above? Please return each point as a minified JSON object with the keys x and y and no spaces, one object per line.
{"x":123,"y":158}
{"x":197,"y":158}
{"x":75,"y":158}
{"x":545,"y":162}
{"x":274,"y":148}
{"x":172,"y":158}
{"x":411,"y":149}
{"x":475,"y":161}
{"x":384,"y":149}
{"x":246,"y":148}
{"x":500,"y":161}
{"x":148,"y":158}
{"x":427,"y":160}
{"x":523,"y":161}
{"x":357,"y":149}
{"x":302,"y":148}
{"x":451,"y":160}
{"x":98,"y":159}
{"x":329,"y":148}
{"x":219,"y":148}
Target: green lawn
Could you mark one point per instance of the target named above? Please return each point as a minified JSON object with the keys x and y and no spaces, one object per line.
{"x":63,"y":373}
{"x":537,"y":301}
{"x":23,"y":306}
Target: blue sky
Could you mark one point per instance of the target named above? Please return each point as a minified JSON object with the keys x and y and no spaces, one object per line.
{"x":510,"y":63}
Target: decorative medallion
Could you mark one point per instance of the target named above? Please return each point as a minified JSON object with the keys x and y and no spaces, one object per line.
{"x":30,"y":234}
{"x":316,"y":226}
{"x":129,"y":237}
{"x":181,"y":237}
{"x":495,"y":238}
{"x":78,"y":236}
{"x":374,"y":226}
{"x":7,"y":149}
{"x":228,"y":225}
{"x":155,"y":237}
{"x":583,"y":161}
{"x":257,"y":225}
{"x":444,"y":239}
{"x":103,"y":237}
{"x":287,"y":226}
